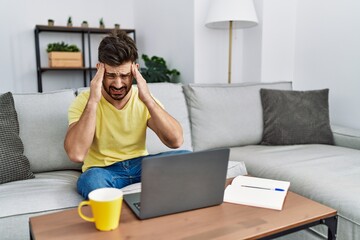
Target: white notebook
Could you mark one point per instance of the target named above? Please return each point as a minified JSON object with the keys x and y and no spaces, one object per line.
{"x":257,"y":192}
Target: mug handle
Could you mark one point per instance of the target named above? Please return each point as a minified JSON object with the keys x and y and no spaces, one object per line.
{"x":85,"y":203}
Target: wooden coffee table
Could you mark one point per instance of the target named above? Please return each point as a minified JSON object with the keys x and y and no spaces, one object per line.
{"x":226,"y":221}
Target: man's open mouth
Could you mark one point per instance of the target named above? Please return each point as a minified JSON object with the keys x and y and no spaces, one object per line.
{"x":117,"y":91}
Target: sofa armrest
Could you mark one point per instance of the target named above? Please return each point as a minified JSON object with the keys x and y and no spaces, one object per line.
{"x":346,"y":137}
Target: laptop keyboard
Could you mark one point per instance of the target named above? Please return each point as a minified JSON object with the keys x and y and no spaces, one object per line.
{"x":137,"y":205}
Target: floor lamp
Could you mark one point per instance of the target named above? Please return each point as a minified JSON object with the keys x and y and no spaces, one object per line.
{"x":231,"y":14}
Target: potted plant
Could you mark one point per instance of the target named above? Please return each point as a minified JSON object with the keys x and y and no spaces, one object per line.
{"x":84,"y":24}
{"x":69,"y":22}
{"x":64,"y":55}
{"x":101,"y":23}
{"x":117,"y":26}
{"x":156,"y":70}
{"x":50,"y":22}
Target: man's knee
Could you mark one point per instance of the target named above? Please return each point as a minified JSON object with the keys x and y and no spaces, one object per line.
{"x":92,"y":179}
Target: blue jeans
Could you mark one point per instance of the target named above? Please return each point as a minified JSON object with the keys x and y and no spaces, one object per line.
{"x":117,"y":175}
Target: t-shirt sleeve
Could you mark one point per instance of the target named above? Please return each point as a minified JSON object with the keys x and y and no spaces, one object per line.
{"x":77,"y":107}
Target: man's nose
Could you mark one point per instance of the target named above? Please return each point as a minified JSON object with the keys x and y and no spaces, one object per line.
{"x":118,"y":82}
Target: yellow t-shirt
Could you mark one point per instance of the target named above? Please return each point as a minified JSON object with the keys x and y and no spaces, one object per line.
{"x":120,"y":134}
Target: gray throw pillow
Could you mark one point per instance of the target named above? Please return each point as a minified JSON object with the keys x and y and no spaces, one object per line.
{"x":296,"y":117}
{"x":13,"y":164}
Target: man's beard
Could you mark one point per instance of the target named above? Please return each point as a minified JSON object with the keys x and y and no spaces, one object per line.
{"x":116,"y":93}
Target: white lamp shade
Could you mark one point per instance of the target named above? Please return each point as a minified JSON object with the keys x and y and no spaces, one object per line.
{"x":241,"y":12}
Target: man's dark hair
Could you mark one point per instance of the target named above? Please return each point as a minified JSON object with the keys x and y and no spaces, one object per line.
{"x":117,"y":48}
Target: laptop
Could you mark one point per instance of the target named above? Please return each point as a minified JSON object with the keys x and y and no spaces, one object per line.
{"x":178,"y":183}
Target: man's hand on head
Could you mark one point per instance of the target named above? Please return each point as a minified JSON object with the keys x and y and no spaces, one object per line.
{"x":96,"y":83}
{"x":144,"y":92}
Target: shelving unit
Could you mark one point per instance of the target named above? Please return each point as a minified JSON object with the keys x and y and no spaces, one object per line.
{"x":85,"y":32}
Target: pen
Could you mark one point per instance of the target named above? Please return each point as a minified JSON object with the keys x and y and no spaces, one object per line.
{"x":273,"y":189}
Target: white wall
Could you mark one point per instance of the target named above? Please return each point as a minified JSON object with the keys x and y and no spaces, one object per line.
{"x":165,"y":28}
{"x":315,"y":44}
{"x":278,"y":40}
{"x":253,"y":48}
{"x":327,"y":54}
{"x":17,"y":22}
{"x":212,"y":48}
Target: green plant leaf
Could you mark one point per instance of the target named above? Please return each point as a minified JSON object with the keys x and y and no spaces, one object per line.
{"x":156,"y":70}
{"x":62,"y":47}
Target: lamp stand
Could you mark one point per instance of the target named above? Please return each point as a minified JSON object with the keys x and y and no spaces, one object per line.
{"x":230,"y":49}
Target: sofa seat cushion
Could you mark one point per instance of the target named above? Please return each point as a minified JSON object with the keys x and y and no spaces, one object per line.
{"x":328,"y":174}
{"x":47,"y":191}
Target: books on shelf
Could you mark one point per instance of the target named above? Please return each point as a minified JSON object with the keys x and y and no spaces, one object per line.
{"x":257,"y":192}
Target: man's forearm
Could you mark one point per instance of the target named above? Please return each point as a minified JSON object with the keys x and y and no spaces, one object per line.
{"x":165,"y":126}
{"x":80,"y":135}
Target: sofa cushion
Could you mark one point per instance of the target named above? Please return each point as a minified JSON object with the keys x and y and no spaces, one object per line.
{"x":346,"y":136}
{"x":43,"y":123}
{"x":226,"y":115}
{"x":171,"y":95}
{"x":325,"y":173}
{"x":296,"y":117}
{"x":47,"y":191}
{"x":13,"y":164}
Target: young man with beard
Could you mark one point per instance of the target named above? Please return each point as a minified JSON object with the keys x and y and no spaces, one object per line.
{"x":107,"y":124}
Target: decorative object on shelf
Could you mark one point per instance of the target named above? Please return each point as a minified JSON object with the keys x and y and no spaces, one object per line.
{"x":157,"y":71}
{"x":69,"y":22}
{"x":117,"y":26}
{"x":101,"y":23}
{"x":64,"y":55}
{"x":50,"y":22}
{"x":231,"y":14}
{"x":62,"y":47}
{"x":84,"y":24}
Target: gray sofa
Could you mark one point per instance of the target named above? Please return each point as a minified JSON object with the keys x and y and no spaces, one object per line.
{"x":212,"y":116}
